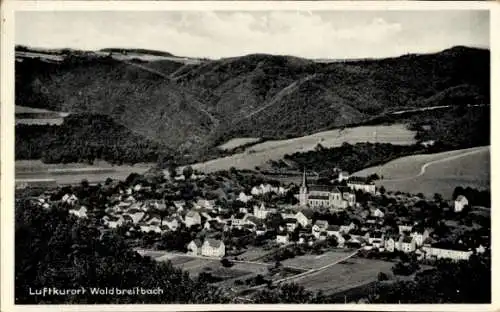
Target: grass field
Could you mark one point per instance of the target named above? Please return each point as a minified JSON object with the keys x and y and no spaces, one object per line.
{"x":315,"y":261}
{"x":351,"y":273}
{"x":75,"y":172}
{"x":259,"y":154}
{"x":435,"y":173}
{"x":237,"y":142}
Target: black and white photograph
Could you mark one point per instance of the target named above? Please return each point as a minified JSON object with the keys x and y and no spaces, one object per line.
{"x":272,"y":156}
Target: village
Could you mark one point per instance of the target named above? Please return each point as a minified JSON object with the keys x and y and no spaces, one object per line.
{"x":184,"y":221}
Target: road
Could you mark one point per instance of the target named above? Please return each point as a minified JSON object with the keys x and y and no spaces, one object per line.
{"x":300,"y":275}
{"x":178,"y":254}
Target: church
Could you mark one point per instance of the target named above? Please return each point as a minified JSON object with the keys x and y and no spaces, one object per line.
{"x":336,"y":197}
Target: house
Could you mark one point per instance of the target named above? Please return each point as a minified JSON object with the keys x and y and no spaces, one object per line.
{"x":343,"y":175}
{"x":345,"y":229}
{"x":282,"y":238}
{"x":460,"y":203}
{"x":192,"y":218}
{"x":80,"y":213}
{"x":355,"y":242}
{"x":213,"y":248}
{"x":179,"y":205}
{"x":377,"y":213}
{"x":405,"y":228}
{"x":376,"y":239}
{"x":260,"y":211}
{"x":171,"y":223}
{"x":260,"y":230}
{"x":361,"y":184}
{"x":319,"y":227}
{"x":335,"y":197}
{"x":244,"y":198}
{"x":420,"y":237}
{"x":390,"y":245}
{"x":291,"y":224}
{"x":136,"y":217}
{"x":481,"y":249}
{"x":304,"y":218}
{"x":194,"y":247}
{"x":432,"y":252}
{"x":333,"y":230}
{"x":113,"y":223}
{"x":406,"y":244}
{"x":69,"y":199}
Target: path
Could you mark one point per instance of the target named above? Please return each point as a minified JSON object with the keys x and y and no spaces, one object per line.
{"x":301,"y":275}
{"x":433,"y":162}
{"x":276,"y":97}
{"x":213,"y":120}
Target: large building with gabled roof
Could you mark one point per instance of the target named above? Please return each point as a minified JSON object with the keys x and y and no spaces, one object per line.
{"x":338,"y":197}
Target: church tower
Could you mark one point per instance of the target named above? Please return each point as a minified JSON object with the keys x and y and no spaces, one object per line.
{"x":303,"y":194}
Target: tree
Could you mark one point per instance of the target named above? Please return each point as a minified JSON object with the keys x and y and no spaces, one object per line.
{"x":438,"y":198}
{"x":382,"y":190}
{"x":382,"y":276}
{"x":187,"y":172}
{"x":226,"y":263}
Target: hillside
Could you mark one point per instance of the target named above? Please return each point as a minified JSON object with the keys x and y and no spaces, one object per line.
{"x":198,"y":106}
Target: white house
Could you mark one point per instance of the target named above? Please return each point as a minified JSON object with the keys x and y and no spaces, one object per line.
{"x":194,"y":247}
{"x":377,"y":213}
{"x":345,"y":229}
{"x":260,"y":211}
{"x":282,"y":238}
{"x":390,"y":245}
{"x":80,"y":213}
{"x":192,"y":218}
{"x":70,"y":199}
{"x":406,"y":244}
{"x":440,"y":253}
{"x":376,"y":239}
{"x":405,"y":228}
{"x":420,"y":237}
{"x":344,"y":175}
{"x":319,"y":227}
{"x":291,"y":224}
{"x":304,"y":217}
{"x":115,"y":223}
{"x":244,"y":198}
{"x":213,"y":248}
{"x":460,"y":202}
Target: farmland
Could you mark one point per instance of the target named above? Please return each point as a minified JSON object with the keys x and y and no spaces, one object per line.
{"x":259,"y":154}
{"x":348,"y":274}
{"x":74,"y":172}
{"x":316,"y":261}
{"x":37,"y":116}
{"x":435,"y":173}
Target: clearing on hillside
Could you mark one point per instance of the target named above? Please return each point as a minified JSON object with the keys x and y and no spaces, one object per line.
{"x":259,"y":154}
{"x":435,"y":173}
{"x":237,"y":142}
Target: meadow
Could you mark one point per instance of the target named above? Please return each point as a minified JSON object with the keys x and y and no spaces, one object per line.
{"x":435,"y":173}
{"x":260,"y":154}
{"x":354,"y":272}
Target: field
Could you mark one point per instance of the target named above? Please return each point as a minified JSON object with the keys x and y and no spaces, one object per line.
{"x":435,"y":173}
{"x":259,"y":154}
{"x":75,"y":172}
{"x":316,"y":261}
{"x":351,"y":273}
{"x":234,"y":143}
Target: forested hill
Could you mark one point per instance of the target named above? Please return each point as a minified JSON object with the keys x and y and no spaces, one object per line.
{"x":194,"y":105}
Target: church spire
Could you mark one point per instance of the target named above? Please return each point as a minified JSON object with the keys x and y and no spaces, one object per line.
{"x":304,"y":181}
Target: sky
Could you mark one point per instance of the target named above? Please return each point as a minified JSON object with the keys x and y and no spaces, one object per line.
{"x":216,"y":34}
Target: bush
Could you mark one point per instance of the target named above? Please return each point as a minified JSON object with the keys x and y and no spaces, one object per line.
{"x":382,"y":276}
